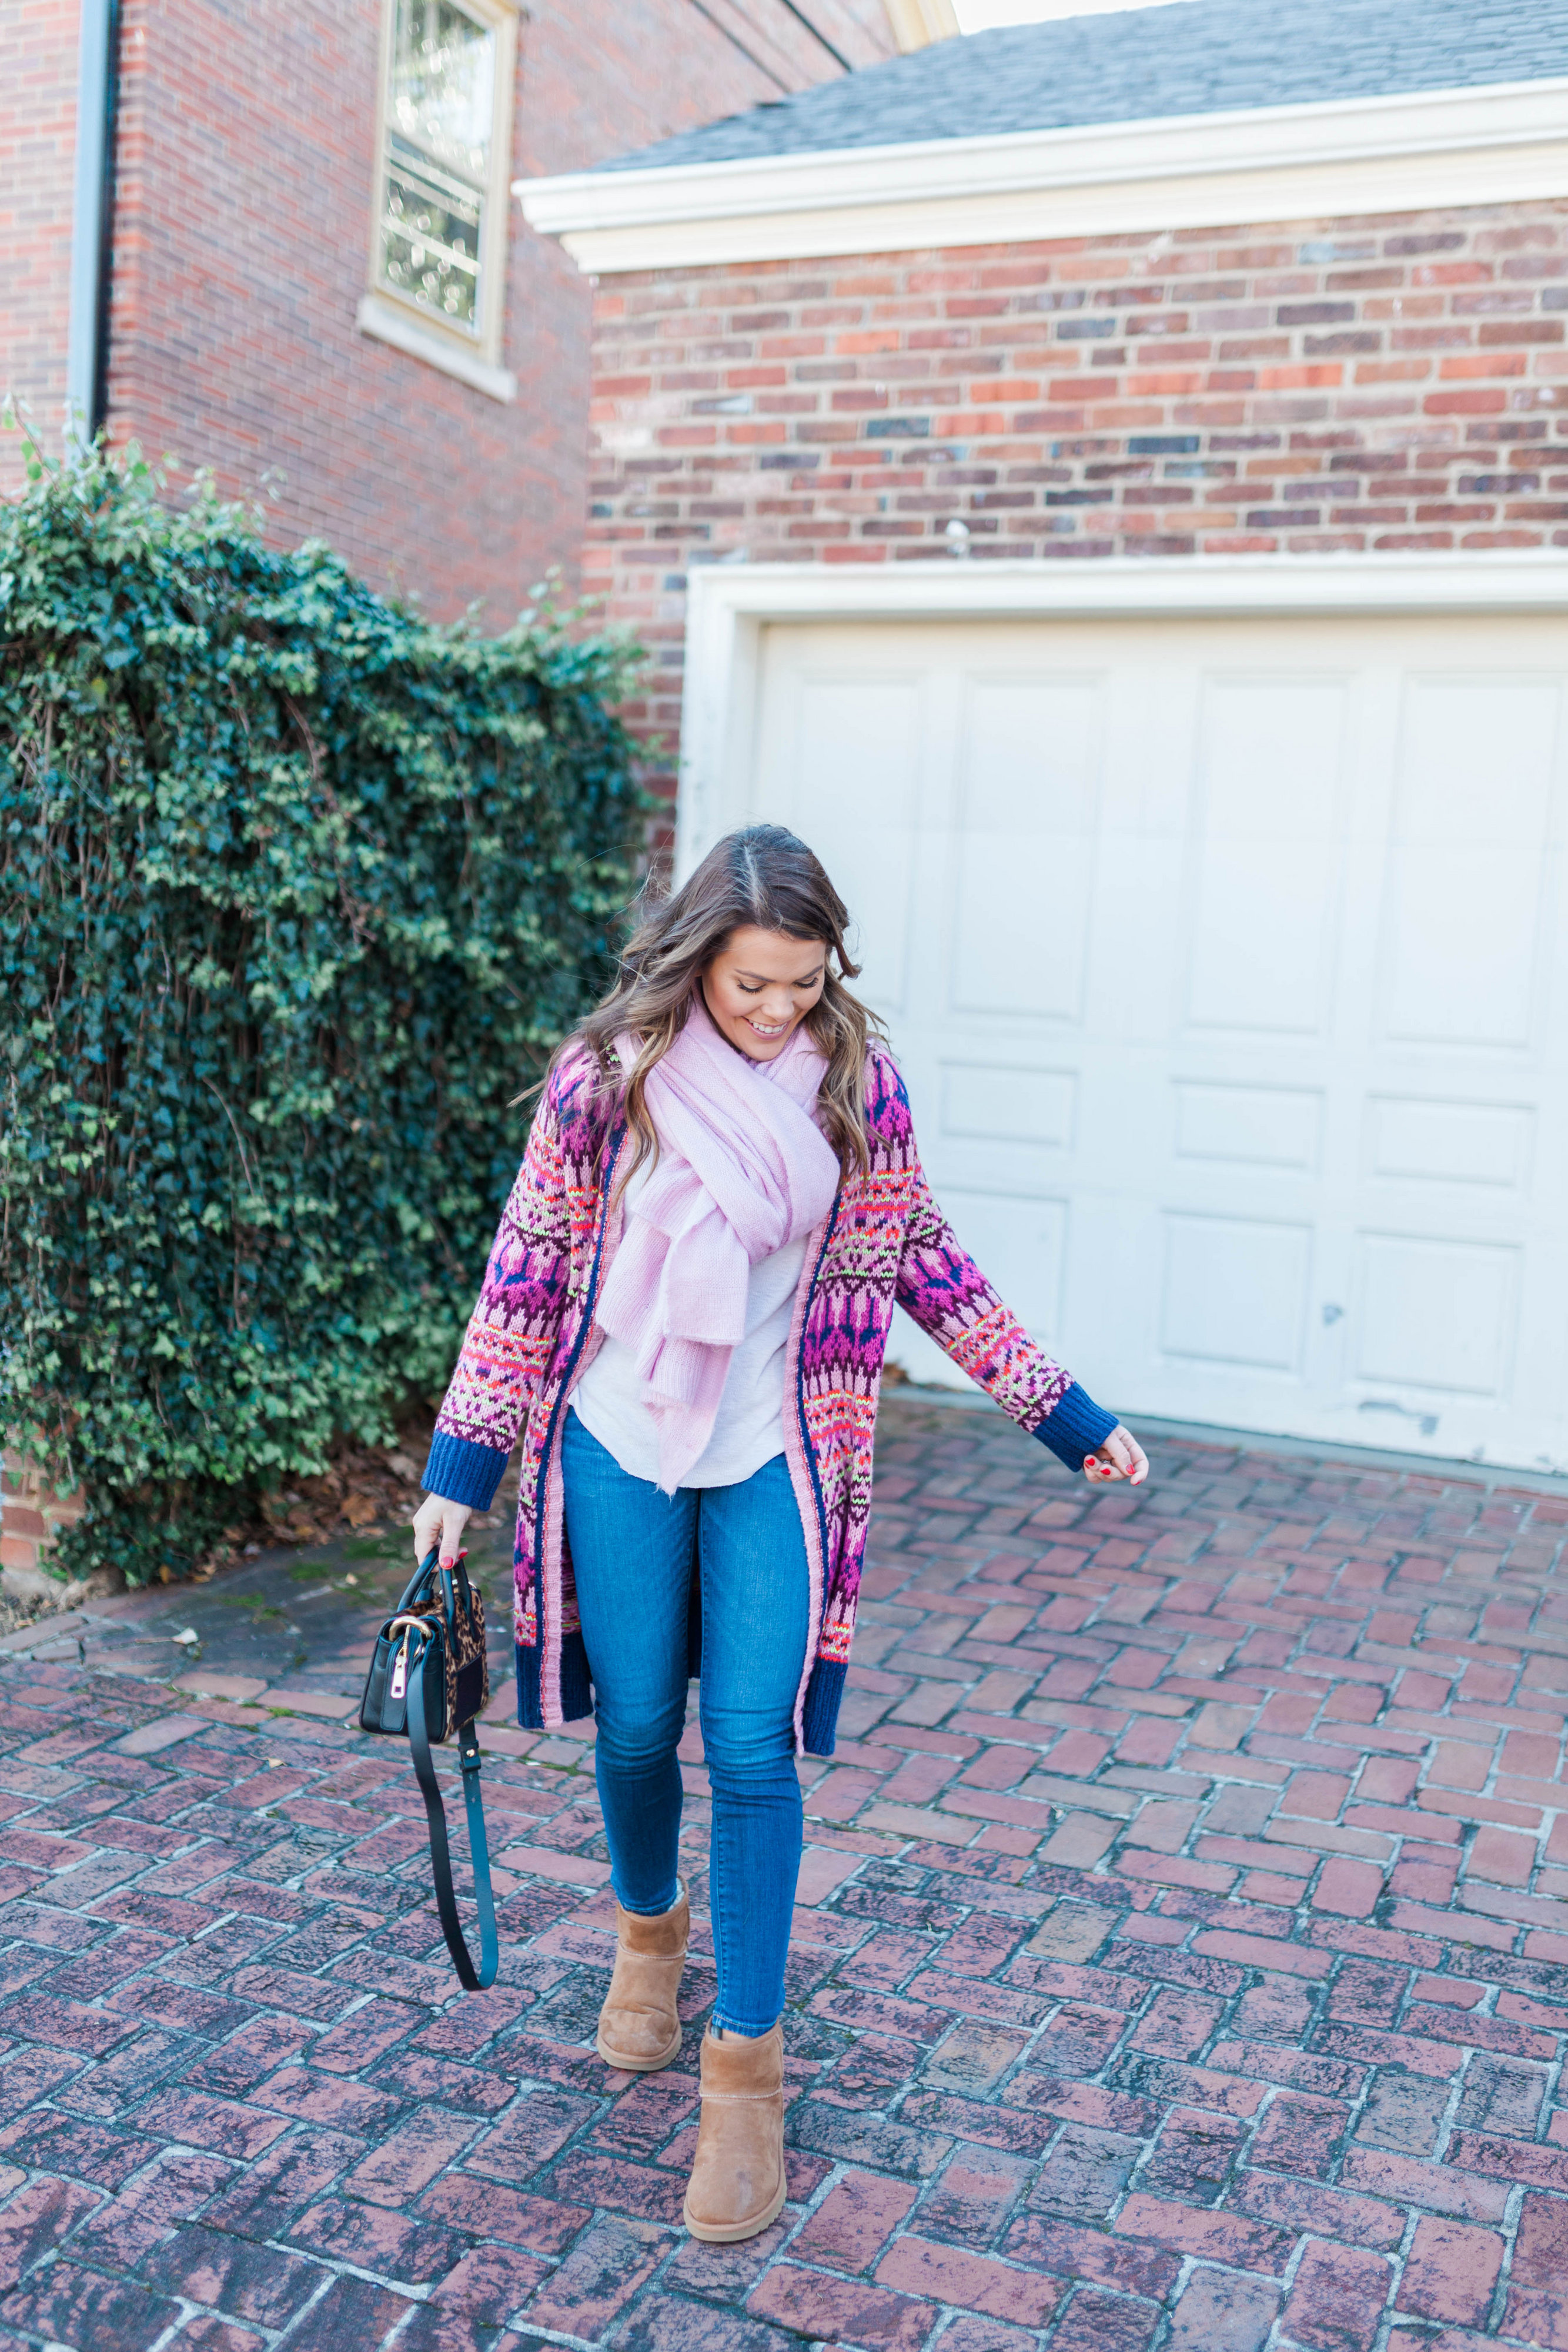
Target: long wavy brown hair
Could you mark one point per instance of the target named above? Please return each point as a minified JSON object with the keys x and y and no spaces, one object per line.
{"x":763,"y":874}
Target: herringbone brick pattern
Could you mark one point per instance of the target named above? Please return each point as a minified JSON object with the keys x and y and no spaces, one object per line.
{"x":1181,"y":1960}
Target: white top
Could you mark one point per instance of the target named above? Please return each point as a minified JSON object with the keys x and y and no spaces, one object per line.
{"x":750,"y":1427}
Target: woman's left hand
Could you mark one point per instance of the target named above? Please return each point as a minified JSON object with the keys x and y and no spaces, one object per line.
{"x":1121,"y":1457}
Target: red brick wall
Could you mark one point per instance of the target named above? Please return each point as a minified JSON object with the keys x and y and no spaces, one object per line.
{"x":31,"y":1516}
{"x":38,"y":164}
{"x":1352,"y":385}
{"x":244,"y":187}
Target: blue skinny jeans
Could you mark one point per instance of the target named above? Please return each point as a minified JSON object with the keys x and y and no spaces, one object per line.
{"x":633,"y":1552}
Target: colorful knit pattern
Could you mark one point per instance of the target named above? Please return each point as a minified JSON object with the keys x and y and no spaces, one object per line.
{"x":513,"y":1330}
{"x":886,"y":1241}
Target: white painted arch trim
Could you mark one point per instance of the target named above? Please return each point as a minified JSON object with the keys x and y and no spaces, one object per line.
{"x":730,"y":605}
{"x":1505,"y":143}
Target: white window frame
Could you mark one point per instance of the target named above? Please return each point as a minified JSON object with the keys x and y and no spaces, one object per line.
{"x":474,"y":357}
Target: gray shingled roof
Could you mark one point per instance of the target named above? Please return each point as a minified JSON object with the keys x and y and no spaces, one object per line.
{"x":1194,"y":56}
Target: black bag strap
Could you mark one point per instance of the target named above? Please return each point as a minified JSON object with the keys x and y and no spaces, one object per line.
{"x":469,"y":1760}
{"x":430,"y":1576}
{"x":415,"y":1588}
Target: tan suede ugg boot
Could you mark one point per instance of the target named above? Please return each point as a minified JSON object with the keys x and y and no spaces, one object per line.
{"x":640,"y":2025}
{"x":737,"y":2177}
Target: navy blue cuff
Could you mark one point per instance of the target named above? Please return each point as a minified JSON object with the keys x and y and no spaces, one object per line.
{"x":823,"y":1693}
{"x":461,"y":1471}
{"x":1074,"y":1426}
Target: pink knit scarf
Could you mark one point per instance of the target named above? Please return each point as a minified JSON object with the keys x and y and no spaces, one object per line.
{"x":743,"y":1168}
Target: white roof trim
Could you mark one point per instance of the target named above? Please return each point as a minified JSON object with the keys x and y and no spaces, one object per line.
{"x":1507,"y":143}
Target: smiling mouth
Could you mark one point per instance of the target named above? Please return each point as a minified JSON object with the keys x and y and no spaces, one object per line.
{"x":777,"y":1029}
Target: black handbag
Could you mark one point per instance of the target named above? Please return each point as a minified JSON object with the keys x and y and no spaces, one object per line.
{"x":429,"y":1676}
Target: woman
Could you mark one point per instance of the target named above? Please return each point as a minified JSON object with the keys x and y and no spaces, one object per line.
{"x":684,"y":1317}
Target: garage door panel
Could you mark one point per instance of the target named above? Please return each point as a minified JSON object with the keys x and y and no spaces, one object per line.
{"x":856,"y":748}
{"x":1427,"y":1142}
{"x":1462,"y":947}
{"x":1436,"y":1314}
{"x":1467,"y":863}
{"x":1021,"y":927}
{"x":1248,"y":1127}
{"x":1223,"y":963}
{"x":1235,"y":1291}
{"x":1266,"y":854}
{"x":1008,"y":1102}
{"x":1027,"y":821}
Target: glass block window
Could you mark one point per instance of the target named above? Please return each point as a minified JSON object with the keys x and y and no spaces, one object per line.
{"x":443,"y":196}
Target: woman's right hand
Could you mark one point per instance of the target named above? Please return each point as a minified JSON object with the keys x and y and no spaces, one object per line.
{"x":1121,"y":1457}
{"x":438,"y":1524}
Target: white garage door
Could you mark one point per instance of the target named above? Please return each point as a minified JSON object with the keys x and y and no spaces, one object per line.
{"x":1226,"y":962}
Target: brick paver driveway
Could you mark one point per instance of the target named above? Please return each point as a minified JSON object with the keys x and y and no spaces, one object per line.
{"x":1181,"y":1956}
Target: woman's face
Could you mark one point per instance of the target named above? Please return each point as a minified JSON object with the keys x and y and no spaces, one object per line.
{"x":760,"y":986}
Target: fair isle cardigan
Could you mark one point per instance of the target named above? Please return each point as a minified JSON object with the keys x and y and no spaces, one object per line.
{"x":532,"y":1334}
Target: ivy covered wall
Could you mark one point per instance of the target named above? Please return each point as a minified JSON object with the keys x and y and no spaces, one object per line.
{"x":296,"y":892}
